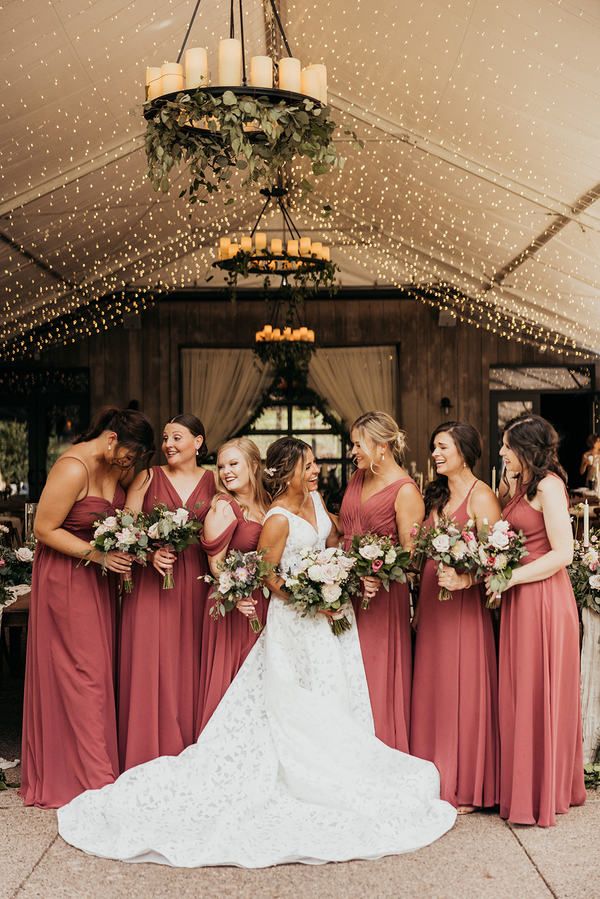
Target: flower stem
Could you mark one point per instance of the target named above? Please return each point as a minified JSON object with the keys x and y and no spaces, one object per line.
{"x":256,"y":625}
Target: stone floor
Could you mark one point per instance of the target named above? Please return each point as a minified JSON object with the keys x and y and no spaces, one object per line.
{"x":481,"y":857}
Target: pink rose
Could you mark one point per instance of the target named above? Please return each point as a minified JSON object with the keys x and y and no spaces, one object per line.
{"x":376,"y":565}
{"x":2,"y":563}
{"x":468,"y":536}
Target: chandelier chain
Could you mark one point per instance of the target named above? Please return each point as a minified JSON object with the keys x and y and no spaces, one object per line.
{"x":189,"y":28}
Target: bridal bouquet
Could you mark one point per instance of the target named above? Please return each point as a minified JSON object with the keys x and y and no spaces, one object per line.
{"x":322,"y":581}
{"x":500,"y":551}
{"x":449,"y":544}
{"x":174,"y":529}
{"x":379,"y":556}
{"x":583,"y":571}
{"x":15,"y":571}
{"x":125,"y":533}
{"x":241,"y":574}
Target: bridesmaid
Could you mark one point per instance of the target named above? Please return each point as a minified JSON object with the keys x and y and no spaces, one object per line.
{"x":69,"y":719}
{"x":541,"y":769}
{"x":161,"y":629}
{"x":233,"y":522}
{"x":381,"y":498}
{"x":455,"y":692}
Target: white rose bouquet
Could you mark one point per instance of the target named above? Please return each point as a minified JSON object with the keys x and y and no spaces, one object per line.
{"x":449,"y":544}
{"x":584,"y":573}
{"x":379,"y":556}
{"x":15,"y":571}
{"x":172,"y":528}
{"x":322,"y":581}
{"x":122,"y":532}
{"x":240,"y":575}
{"x":500,"y":551}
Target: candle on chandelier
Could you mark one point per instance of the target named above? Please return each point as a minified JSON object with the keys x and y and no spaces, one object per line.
{"x":234,"y":249}
{"x":321,"y":71}
{"x":303,"y":332}
{"x":261,"y":71}
{"x":276,"y":246}
{"x":292,"y":248}
{"x":195,"y":63}
{"x":259,"y":336}
{"x":296,"y":334}
{"x":224,"y":244}
{"x":276,"y":334}
{"x":310,"y":336}
{"x":290,"y":75}
{"x":260,"y":241}
{"x":586,"y":524}
{"x":246,"y":244}
{"x":171,"y":78}
{"x":311,"y":82}
{"x":268,"y":329}
{"x":305,"y":246}
{"x":326,"y":254}
{"x":316,"y":249}
{"x":152,"y":82}
{"x":230,"y":61}
{"x":287,"y":333}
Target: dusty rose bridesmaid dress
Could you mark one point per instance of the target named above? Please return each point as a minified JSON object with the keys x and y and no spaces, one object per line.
{"x":454,"y":719}
{"x":383,"y":628}
{"x":69,"y":721}
{"x":541,"y":767}
{"x":227,"y":642}
{"x":159,"y":669}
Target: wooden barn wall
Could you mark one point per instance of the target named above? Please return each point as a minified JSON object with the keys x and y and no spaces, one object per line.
{"x":141,"y":360}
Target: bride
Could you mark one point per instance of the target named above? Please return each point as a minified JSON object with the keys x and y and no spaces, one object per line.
{"x":288,"y":768}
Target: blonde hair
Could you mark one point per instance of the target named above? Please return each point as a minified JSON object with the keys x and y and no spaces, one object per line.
{"x":251,"y":453}
{"x":380,"y":428}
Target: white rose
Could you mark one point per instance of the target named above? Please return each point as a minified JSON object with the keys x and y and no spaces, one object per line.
{"x":499,"y":539}
{"x":126,"y":537}
{"x":347,"y":563}
{"x":459,"y":550}
{"x":109,"y":523}
{"x":370,"y":551}
{"x":180,"y":517}
{"x":225,"y":582}
{"x":326,"y":555}
{"x":316,"y":573}
{"x":390,"y":557}
{"x":331,"y":592}
{"x":594,"y":582}
{"x":154,"y":531}
{"x":24,"y":554}
{"x":100,"y":530}
{"x":483,"y":558}
{"x":441,"y":543}
{"x":501,"y":525}
{"x":591,"y":557}
{"x":4,"y":529}
{"x":500,"y":562}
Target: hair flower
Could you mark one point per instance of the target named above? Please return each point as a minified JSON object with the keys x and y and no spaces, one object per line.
{"x":270,"y":471}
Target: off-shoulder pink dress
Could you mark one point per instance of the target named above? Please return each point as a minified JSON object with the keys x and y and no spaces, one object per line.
{"x":161,"y":642}
{"x":383,"y":628}
{"x":541,"y":768}
{"x":69,"y":720}
{"x":454,"y":720}
{"x":227,"y":642}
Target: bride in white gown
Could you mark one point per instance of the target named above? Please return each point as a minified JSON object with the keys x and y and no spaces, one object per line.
{"x":288,"y":768}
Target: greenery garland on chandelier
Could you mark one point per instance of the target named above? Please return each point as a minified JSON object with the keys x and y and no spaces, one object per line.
{"x":252,"y":134}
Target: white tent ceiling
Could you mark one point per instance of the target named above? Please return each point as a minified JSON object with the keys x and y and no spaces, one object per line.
{"x":480,"y":167}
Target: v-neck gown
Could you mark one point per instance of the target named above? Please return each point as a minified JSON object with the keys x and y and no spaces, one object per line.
{"x":383,"y":628}
{"x":227,"y":642}
{"x":69,"y":721}
{"x":454,"y":721}
{"x":541,"y":769}
{"x":160,"y":652}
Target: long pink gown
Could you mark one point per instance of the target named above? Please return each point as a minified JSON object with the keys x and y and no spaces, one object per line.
{"x":227,"y":642}
{"x":69,"y":720}
{"x":383,"y":628}
{"x":454,"y":720}
{"x":541,"y":769}
{"x":161,"y":642}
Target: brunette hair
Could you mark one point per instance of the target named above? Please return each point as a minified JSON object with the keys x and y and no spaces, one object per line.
{"x":382,"y":428}
{"x":282,"y":458}
{"x":468,"y":442}
{"x":133,"y":430}
{"x":195,"y":426}
{"x":535,"y":442}
{"x":591,"y":440}
{"x":251,"y":453}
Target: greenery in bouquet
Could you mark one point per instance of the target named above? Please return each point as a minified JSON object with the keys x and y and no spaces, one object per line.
{"x":323,"y":582}
{"x":15,"y":569}
{"x":500,"y":551}
{"x":124,"y":532}
{"x":584,"y":573}
{"x":173,"y":528}
{"x":448,"y":544}
{"x":379,"y":556}
{"x":240,"y":575}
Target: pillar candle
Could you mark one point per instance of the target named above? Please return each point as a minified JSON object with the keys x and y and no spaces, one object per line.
{"x":152,"y":82}
{"x":292,"y":247}
{"x":246,"y":244}
{"x":224,"y":244}
{"x":316,"y":249}
{"x":230,"y":61}
{"x":287,"y":333}
{"x":276,"y":334}
{"x":290,"y":75}
{"x":234,"y":249}
{"x":311,"y":83}
{"x":326,"y":254}
{"x":268,"y":329}
{"x":586,"y":524}
{"x":494,"y":479}
{"x":311,"y":336}
{"x":303,"y":332}
{"x":321,"y":71}
{"x":195,"y":63}
{"x":276,"y":246}
{"x":305,"y":246}
{"x":261,"y":71}
{"x":259,"y":336}
{"x":171,"y":78}
{"x":260,"y":241}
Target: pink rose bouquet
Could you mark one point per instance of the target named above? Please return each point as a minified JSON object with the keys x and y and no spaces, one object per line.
{"x":449,"y":544}
{"x":500,"y":551}
{"x":240,"y":575}
{"x":379,"y":556}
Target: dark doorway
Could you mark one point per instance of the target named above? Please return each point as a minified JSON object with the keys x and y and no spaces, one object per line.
{"x":571,"y":415}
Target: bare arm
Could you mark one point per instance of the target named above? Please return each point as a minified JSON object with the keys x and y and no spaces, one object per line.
{"x":272,"y":540}
{"x":137,"y":491}
{"x":483,"y":504}
{"x":551,"y":494}
{"x":218,"y":518}
{"x":410,"y":510}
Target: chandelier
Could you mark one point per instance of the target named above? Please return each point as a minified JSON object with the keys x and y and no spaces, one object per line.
{"x":286,"y":344}
{"x":255,"y":115}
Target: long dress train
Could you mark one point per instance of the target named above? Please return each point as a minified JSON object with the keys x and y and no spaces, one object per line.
{"x":286,"y":770}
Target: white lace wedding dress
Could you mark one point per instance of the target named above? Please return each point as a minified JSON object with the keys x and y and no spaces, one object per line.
{"x":287,"y":770}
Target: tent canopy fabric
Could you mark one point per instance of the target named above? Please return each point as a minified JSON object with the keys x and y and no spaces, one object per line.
{"x":480,"y":166}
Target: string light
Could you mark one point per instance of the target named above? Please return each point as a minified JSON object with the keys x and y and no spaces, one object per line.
{"x":464,"y":163}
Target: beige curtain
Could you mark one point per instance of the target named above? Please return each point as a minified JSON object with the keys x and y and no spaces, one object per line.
{"x":353,"y":380}
{"x":223,"y":388}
